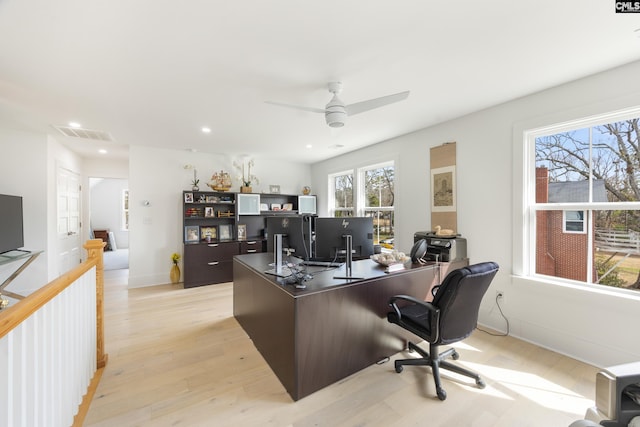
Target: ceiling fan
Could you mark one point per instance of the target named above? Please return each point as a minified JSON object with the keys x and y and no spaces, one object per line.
{"x":336,"y":112}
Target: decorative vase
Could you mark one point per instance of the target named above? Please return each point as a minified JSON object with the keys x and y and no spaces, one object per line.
{"x":306,"y":190}
{"x":244,"y":189}
{"x":195,"y":188}
{"x":175,"y":274}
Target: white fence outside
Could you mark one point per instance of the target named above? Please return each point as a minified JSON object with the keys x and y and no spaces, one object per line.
{"x":610,"y":240}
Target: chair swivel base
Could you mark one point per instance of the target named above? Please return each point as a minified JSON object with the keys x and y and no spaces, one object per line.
{"x":436,"y":362}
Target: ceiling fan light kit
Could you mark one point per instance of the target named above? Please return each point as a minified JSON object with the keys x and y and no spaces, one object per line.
{"x":336,"y":112}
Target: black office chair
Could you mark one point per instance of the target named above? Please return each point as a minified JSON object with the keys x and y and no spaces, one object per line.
{"x":451,"y":317}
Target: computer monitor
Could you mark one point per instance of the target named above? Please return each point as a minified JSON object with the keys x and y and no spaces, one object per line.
{"x":330,"y":237}
{"x":296,"y":232}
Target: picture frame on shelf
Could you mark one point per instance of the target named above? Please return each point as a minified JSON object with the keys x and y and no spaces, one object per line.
{"x":242,"y":231}
{"x":264,"y":207}
{"x":191,"y":233}
{"x":208,"y":212}
{"x":225,"y":231}
{"x":188,"y":197}
{"x":276,"y":206}
{"x":287,"y":207}
{"x":208,"y":233}
{"x":274,"y":189}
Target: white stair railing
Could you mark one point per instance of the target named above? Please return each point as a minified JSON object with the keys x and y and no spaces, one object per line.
{"x":51,"y":346}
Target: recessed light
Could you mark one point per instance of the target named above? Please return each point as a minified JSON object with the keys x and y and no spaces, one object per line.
{"x":206,"y":130}
{"x":75,"y":124}
{"x":102,"y":151}
{"x":309,"y":146}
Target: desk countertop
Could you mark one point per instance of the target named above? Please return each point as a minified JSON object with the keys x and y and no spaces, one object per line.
{"x":322,"y":277}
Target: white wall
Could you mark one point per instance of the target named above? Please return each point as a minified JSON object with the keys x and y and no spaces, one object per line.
{"x":23,"y":172}
{"x":28,"y":168}
{"x":106,"y":208}
{"x":599,"y":328}
{"x":158,"y":175}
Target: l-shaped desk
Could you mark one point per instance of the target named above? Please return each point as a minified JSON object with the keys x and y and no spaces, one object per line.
{"x":333,"y":328}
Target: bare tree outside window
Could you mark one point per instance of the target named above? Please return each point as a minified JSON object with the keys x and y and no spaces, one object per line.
{"x":343,"y":195}
{"x":599,"y":164}
{"x":379,"y":203}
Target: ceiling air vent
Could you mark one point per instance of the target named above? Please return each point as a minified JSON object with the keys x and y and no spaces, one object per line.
{"x":96,"y":135}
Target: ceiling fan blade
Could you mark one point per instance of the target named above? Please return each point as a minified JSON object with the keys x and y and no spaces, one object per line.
{"x":360,"y":107}
{"x":297,"y":107}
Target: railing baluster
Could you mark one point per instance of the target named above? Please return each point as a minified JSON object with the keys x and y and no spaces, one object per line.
{"x":51,"y":344}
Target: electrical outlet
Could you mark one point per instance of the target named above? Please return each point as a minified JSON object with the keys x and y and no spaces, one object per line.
{"x":500,"y":296}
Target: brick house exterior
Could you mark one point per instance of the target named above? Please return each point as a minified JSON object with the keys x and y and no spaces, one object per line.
{"x":558,"y":253}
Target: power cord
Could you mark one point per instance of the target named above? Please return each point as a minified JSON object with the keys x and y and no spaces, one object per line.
{"x":503,"y":316}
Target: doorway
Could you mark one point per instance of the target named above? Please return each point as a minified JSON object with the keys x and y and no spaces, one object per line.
{"x":109,"y":219}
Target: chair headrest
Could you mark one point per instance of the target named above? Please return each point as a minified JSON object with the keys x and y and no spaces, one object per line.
{"x":483,"y":267}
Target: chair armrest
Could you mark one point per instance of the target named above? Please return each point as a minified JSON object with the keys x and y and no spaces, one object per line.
{"x":392,"y":303}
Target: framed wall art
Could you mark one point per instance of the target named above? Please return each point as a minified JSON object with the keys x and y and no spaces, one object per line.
{"x":443,"y":189}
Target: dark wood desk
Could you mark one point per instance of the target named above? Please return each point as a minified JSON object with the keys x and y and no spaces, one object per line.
{"x":316,"y":336}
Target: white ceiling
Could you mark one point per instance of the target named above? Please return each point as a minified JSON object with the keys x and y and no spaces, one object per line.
{"x":154,"y":72}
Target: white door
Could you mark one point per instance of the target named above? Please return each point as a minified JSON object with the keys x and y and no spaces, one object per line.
{"x":68,"y":191}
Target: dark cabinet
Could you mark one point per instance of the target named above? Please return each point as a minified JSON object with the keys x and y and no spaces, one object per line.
{"x":218,"y":225}
{"x":251,"y":246}
{"x":209,"y":263}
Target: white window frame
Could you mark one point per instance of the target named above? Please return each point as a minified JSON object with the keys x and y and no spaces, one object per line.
{"x":332,"y":193}
{"x":359,"y":191}
{"x":124,"y":224}
{"x":524,"y":232}
{"x":582,"y":222}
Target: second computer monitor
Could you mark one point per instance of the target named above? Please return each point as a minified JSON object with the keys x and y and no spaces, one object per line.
{"x":296,"y":231}
{"x":330,"y":237}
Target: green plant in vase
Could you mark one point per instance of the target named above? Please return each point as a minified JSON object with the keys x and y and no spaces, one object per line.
{"x":174,"y":274}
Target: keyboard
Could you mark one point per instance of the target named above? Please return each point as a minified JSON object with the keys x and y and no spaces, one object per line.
{"x":284,"y":272}
{"x":312,"y":263}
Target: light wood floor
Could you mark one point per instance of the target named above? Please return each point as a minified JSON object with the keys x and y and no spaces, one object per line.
{"x":178,"y":357}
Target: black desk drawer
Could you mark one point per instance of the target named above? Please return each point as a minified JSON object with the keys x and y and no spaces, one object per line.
{"x":250,"y":246}
{"x":209,"y":263}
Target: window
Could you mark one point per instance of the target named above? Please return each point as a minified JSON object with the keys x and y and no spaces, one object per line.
{"x":573,"y":222}
{"x":374,"y":198}
{"x":125,"y":210}
{"x":341,"y":186}
{"x":378,"y":192}
{"x":584,"y":215}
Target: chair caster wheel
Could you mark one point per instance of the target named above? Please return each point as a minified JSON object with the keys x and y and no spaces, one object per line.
{"x":480,"y":383}
{"x":398,"y":368}
{"x":455,"y":355}
{"x":442,"y":395}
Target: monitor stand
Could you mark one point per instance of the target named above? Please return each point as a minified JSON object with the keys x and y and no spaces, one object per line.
{"x":279,"y":269}
{"x":348,"y":265}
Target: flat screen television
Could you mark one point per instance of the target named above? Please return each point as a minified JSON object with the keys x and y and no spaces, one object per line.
{"x":296,"y":231}
{"x":330,"y":237}
{"x":11,"y":223}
